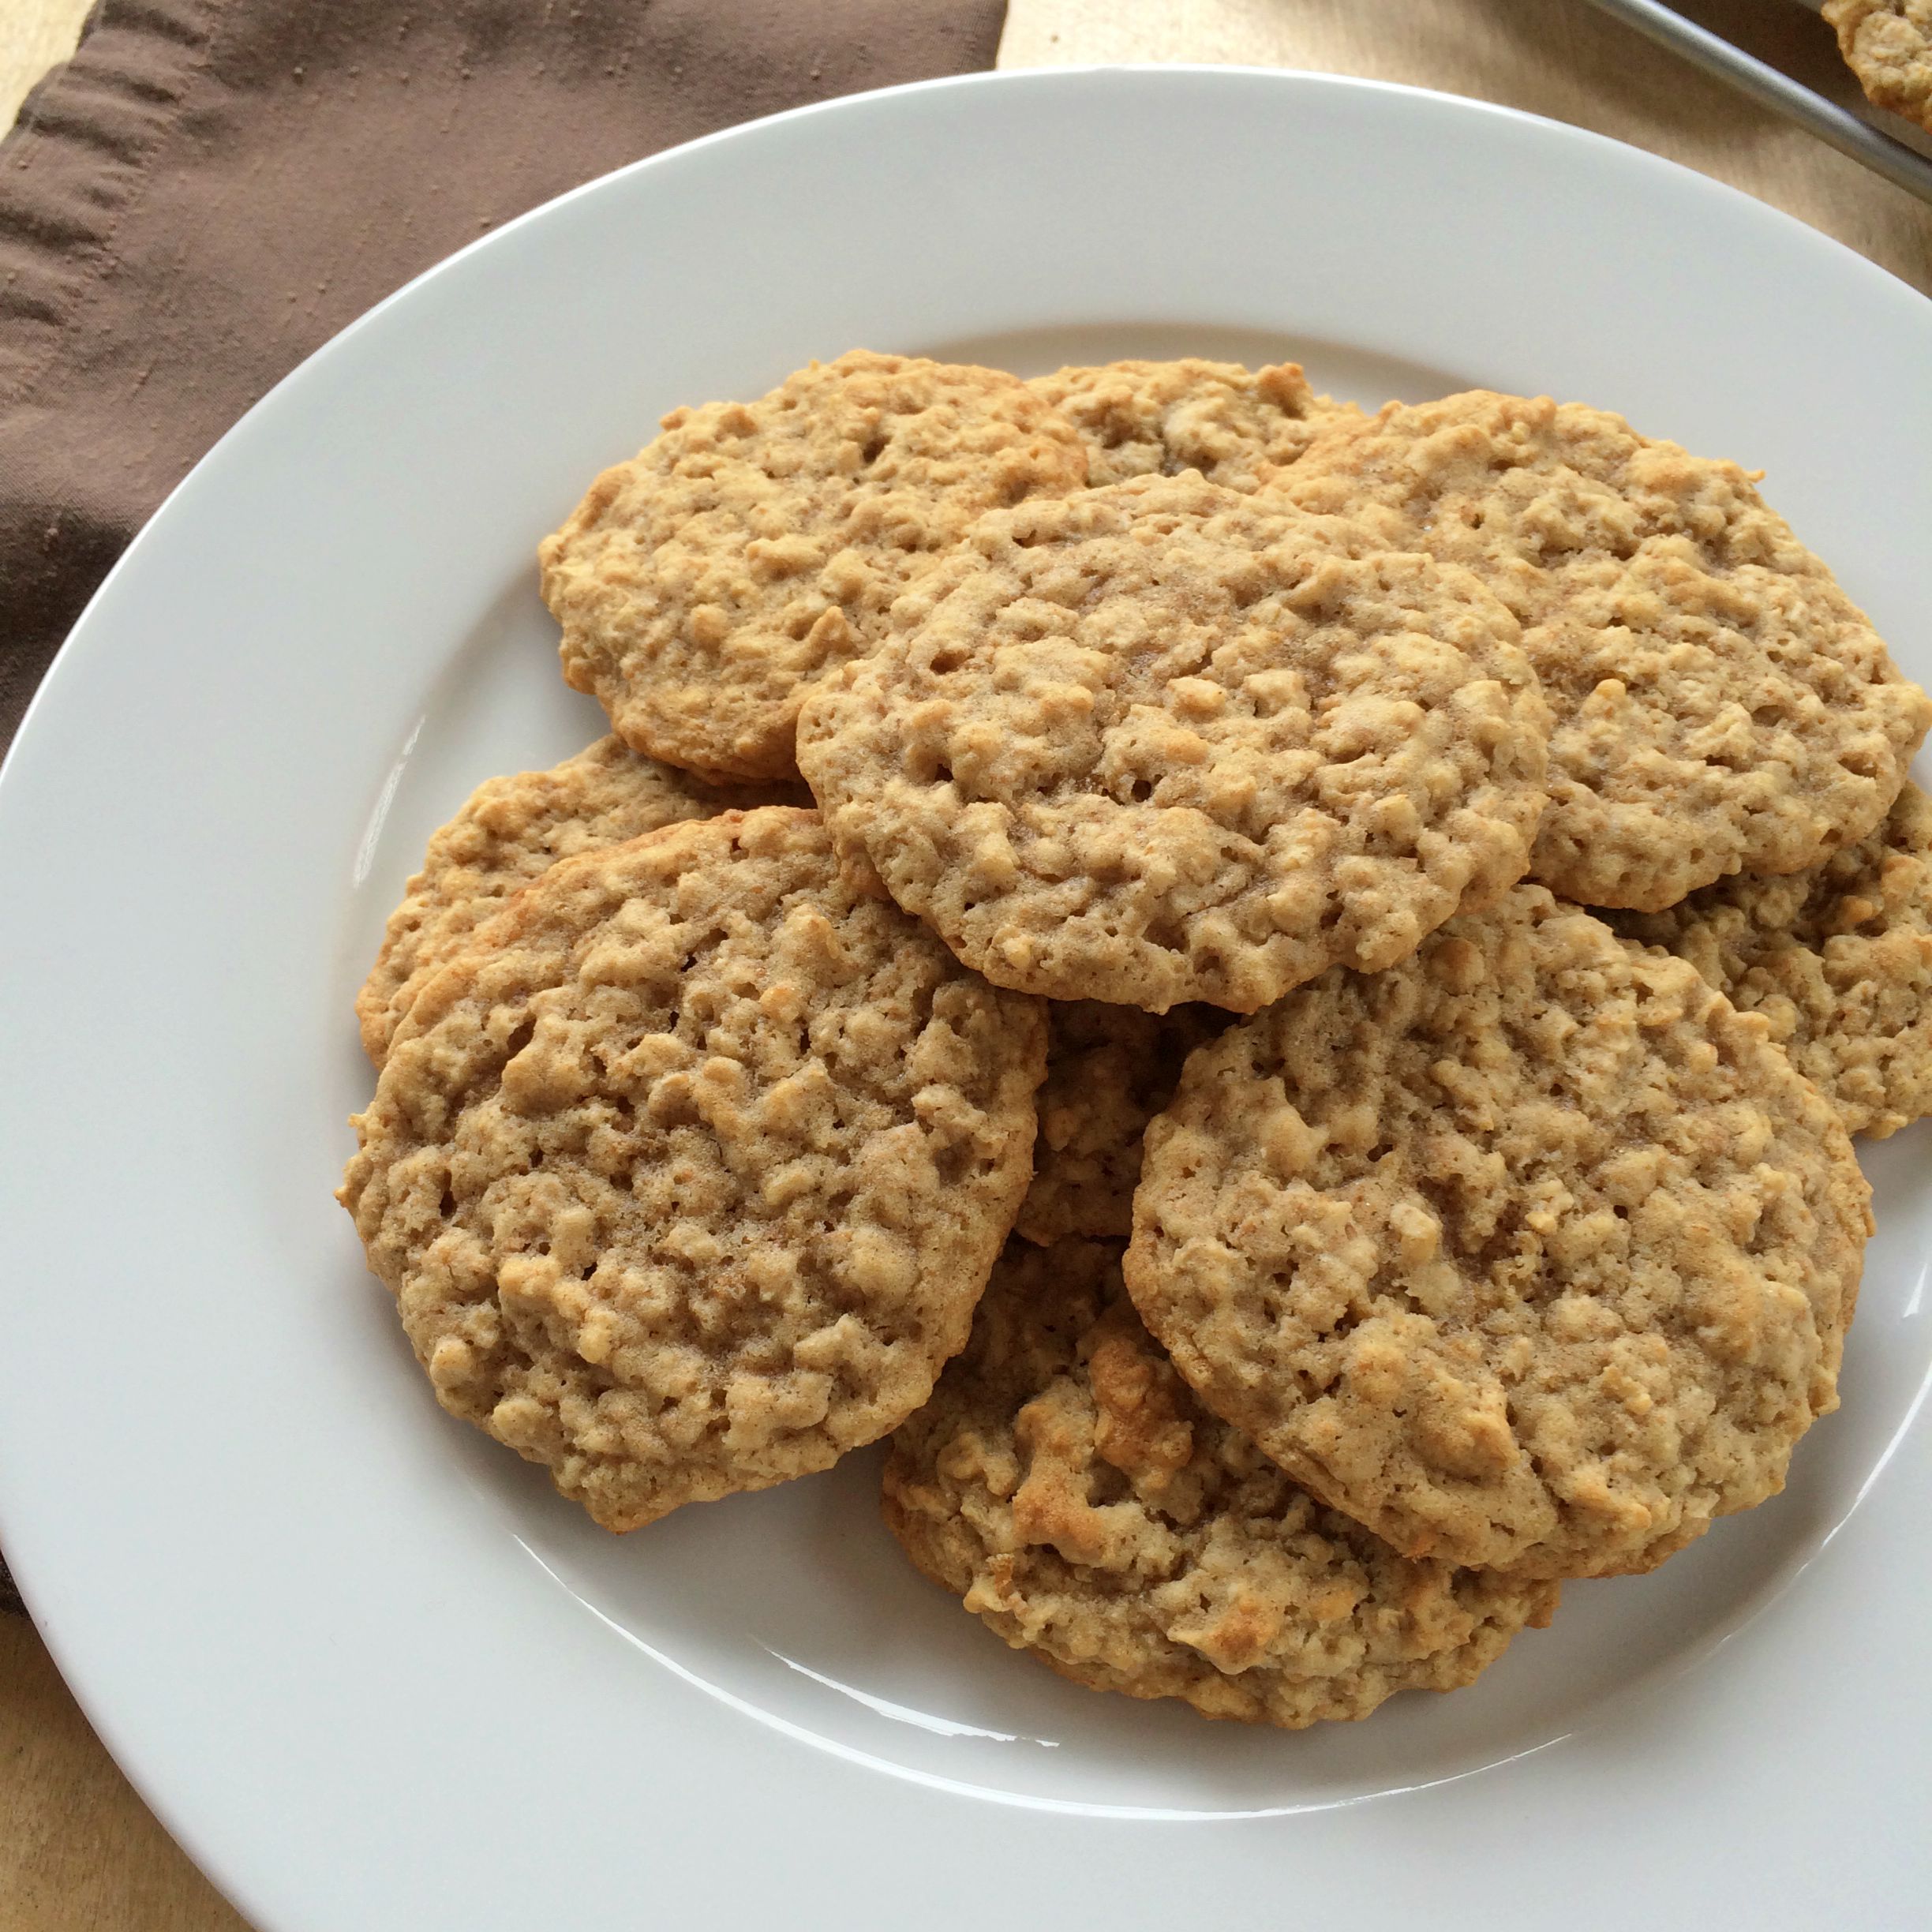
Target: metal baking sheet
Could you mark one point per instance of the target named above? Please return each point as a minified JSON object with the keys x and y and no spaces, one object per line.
{"x":1780,"y":52}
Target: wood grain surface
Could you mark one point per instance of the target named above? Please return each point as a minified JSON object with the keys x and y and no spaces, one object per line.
{"x":79,"y":1851}
{"x":34,"y":34}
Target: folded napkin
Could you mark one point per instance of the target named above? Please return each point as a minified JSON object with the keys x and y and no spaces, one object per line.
{"x":210,"y":188}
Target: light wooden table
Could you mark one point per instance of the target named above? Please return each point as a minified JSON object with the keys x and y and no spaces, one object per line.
{"x":79,"y":1852}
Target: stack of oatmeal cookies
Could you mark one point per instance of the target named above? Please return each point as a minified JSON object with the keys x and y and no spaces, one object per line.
{"x":1277,"y":994}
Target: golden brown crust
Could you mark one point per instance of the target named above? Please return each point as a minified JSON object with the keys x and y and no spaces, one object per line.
{"x":1239,"y":427}
{"x":1837,"y":961}
{"x":1888,"y":45}
{"x":687,"y":1173}
{"x":1109,"y":1070}
{"x":1064,"y":1483}
{"x":753,"y":546}
{"x":508,"y":831}
{"x":1531,"y":1252}
{"x":1155,"y":743}
{"x":1720,"y":704}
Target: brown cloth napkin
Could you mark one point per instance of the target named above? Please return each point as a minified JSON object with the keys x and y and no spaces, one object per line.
{"x":210,"y":188}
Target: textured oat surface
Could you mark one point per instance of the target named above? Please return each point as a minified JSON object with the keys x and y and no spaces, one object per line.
{"x":703,"y":585}
{"x":1529,"y":1252}
{"x":687,"y":1174}
{"x":1837,"y":959}
{"x":1154,"y":744}
{"x":1109,"y":1070}
{"x":1887,"y":44}
{"x":1719,"y":703}
{"x":1065,"y":1484}
{"x":1237,"y":427}
{"x":509,"y":830}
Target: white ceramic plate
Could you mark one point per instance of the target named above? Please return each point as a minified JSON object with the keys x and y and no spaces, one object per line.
{"x":366,"y":1666}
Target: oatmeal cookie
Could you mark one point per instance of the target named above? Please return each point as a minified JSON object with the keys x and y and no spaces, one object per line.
{"x":754,"y":545}
{"x":1720,"y":704}
{"x":1237,"y":427}
{"x":510,"y":830}
{"x":1155,"y":743}
{"x":1530,"y":1252}
{"x":1109,"y":1070}
{"x":687,"y":1173}
{"x":1888,"y":45}
{"x":1837,"y":959}
{"x":1065,"y":1483}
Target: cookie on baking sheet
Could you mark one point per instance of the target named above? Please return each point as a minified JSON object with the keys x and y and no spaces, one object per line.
{"x":1065,"y":1482}
{"x":1888,"y":45}
{"x":1237,"y":427}
{"x":687,"y":1173}
{"x":1530,"y":1252}
{"x":1720,"y":704}
{"x":510,"y":830}
{"x":1109,"y":1070}
{"x":754,"y":545}
{"x":1155,"y":743}
{"x":1838,"y":960}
